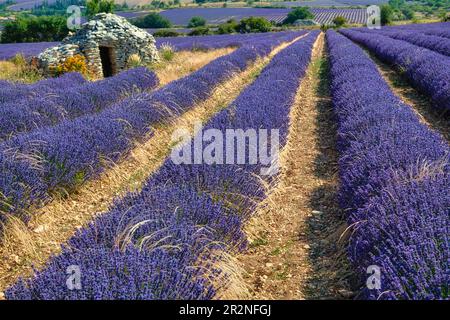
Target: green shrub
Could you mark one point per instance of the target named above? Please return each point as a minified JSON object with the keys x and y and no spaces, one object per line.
{"x":200,"y":31}
{"x":97,"y":6}
{"x":197,"y":22}
{"x":230,"y":26}
{"x":167,"y":52}
{"x":325,"y":27}
{"x":386,"y":14}
{"x":298,"y":13}
{"x":35,"y":29}
{"x":254,"y":24}
{"x":408,"y":13}
{"x":444,"y":16}
{"x":152,"y":20}
{"x":339,"y":21}
{"x":166,"y":33}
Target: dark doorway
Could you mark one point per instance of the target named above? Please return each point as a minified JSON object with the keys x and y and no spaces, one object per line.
{"x":108,"y":61}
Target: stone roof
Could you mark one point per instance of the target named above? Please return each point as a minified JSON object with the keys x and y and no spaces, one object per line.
{"x":109,"y":27}
{"x":105,"y":29}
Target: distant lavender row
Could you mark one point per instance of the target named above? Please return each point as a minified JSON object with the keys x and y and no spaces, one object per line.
{"x":41,"y":162}
{"x":312,"y":3}
{"x":181,"y":16}
{"x":27,"y":4}
{"x":164,"y":242}
{"x":9,"y":50}
{"x":209,"y":42}
{"x":14,"y":91}
{"x":40,"y":109}
{"x":441,"y":29}
{"x":438,"y":44}
{"x":426,"y":69}
{"x":326,"y":16}
{"x":394,"y":174}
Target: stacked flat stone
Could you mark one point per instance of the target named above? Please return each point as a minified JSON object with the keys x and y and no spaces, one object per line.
{"x":105,"y":29}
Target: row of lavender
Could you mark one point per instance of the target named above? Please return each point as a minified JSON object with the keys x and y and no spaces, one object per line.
{"x":441,"y":29}
{"x":209,"y":42}
{"x":394,"y":175}
{"x":29,"y":107}
{"x":416,"y":37}
{"x":37,"y":164}
{"x":426,"y":70}
{"x":10,"y":91}
{"x":9,"y":50}
{"x":166,"y":242}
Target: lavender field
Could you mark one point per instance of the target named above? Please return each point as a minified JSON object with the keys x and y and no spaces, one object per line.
{"x":182,"y":16}
{"x":286,"y":165}
{"x":29,"y":4}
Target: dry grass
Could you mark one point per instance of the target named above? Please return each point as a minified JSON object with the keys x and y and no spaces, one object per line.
{"x":28,"y":245}
{"x":7,"y":69}
{"x":18,"y":72}
{"x":293,"y":252}
{"x":185,"y":62}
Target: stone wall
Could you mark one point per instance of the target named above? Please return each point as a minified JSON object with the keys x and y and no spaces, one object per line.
{"x":106,"y":30}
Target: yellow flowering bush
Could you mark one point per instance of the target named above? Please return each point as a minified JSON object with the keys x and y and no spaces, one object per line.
{"x":76,"y":63}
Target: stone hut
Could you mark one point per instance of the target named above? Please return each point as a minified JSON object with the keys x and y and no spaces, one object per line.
{"x":107,"y":41}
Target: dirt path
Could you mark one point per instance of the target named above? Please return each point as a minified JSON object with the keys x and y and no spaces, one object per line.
{"x":421,"y":104}
{"x":25,"y":246}
{"x":295,"y":251}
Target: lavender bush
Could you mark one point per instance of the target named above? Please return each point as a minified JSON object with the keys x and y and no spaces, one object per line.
{"x":394,"y":175}
{"x":440,"y":29}
{"x":9,"y":50}
{"x":10,"y":91}
{"x":211,"y":42}
{"x":427,"y":70}
{"x":36,"y":164}
{"x":40,"y":110}
{"x":435,"y":43}
{"x":184,"y":217}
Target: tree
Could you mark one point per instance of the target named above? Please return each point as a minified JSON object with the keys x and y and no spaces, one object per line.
{"x":386,"y":14}
{"x":159,"y":4}
{"x":397,"y":4}
{"x":196,"y":22}
{"x":200,"y":31}
{"x":298,"y":13}
{"x":152,"y":20}
{"x":229,"y":27}
{"x":339,"y":21}
{"x":254,"y":24}
{"x":97,"y":6}
{"x":200,"y":2}
{"x":166,"y":33}
{"x":444,"y":16}
{"x":35,"y":29}
{"x":408,"y":13}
